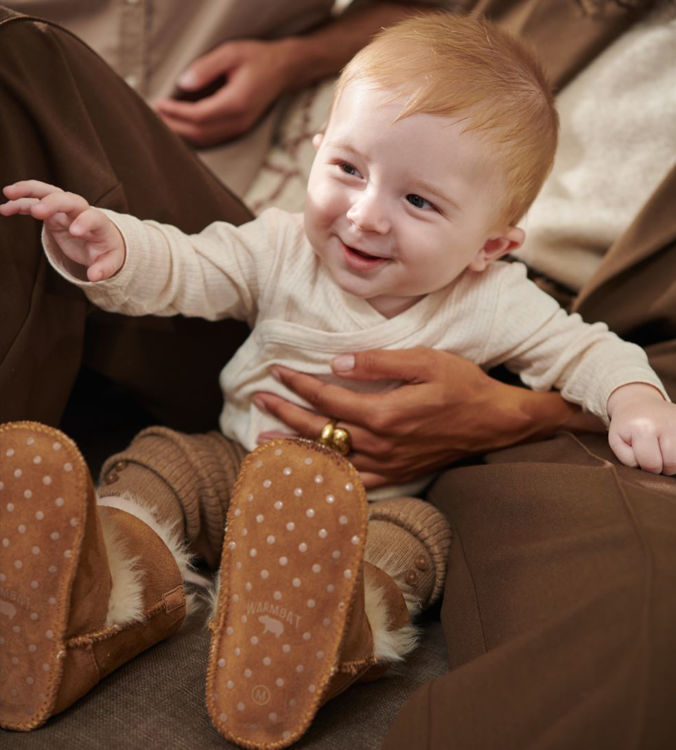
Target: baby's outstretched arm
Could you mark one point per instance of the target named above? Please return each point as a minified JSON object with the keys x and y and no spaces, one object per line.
{"x":84,"y":234}
{"x":643,"y":428}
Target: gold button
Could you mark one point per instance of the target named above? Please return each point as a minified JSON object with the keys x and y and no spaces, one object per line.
{"x":411,"y":576}
{"x":421,"y":563}
{"x":120,"y":465}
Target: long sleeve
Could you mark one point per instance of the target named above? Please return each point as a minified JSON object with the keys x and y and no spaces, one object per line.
{"x":548,"y":348}
{"x":217,"y":273}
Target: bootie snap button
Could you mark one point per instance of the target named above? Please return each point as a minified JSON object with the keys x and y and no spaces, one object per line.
{"x":421,"y":563}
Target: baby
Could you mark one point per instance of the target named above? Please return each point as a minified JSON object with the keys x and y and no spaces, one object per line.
{"x":418,"y":184}
{"x":440,"y":135}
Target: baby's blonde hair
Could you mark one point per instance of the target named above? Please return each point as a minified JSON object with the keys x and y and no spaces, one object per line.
{"x":464,"y":67}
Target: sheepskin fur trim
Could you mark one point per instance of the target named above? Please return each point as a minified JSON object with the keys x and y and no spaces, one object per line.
{"x":126,"y":595}
{"x":126,"y":598}
{"x":396,"y":568}
{"x":388,"y":645}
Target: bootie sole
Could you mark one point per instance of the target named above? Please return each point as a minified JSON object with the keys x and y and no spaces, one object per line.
{"x":292,"y":557}
{"x":43,"y":480}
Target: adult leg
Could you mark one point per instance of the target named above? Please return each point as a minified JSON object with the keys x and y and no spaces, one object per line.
{"x":559,"y":610}
{"x":66,"y":118}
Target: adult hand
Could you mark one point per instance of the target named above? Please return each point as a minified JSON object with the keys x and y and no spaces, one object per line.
{"x":256,"y":73}
{"x":446,"y":409}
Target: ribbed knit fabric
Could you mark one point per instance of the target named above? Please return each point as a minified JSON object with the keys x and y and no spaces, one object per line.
{"x":266,"y":273}
{"x":409,"y":539}
{"x":183,"y":479}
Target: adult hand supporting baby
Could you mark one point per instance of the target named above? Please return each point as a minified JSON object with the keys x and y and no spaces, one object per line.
{"x":446,"y":409}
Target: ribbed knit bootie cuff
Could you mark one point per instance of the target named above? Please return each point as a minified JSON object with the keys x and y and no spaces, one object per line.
{"x":409,"y":539}
{"x":182,"y":478}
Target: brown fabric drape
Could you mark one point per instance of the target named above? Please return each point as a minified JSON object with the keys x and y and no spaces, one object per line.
{"x":67,"y":119}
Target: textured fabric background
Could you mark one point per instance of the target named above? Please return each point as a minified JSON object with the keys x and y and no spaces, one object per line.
{"x":157,"y":701}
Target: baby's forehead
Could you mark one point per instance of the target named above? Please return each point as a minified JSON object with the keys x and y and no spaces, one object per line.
{"x":366,"y":100}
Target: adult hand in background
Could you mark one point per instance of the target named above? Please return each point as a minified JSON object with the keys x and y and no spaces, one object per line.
{"x":446,"y":409}
{"x":256,"y":73}
{"x":252,"y":75}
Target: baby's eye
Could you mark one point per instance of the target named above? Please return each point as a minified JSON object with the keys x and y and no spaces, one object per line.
{"x":418,"y":201}
{"x":349,"y":169}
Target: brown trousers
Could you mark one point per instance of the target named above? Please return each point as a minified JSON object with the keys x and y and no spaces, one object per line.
{"x":67,"y":119}
{"x":559,"y":608}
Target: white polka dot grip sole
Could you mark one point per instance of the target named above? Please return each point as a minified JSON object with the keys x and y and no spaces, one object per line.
{"x":292,"y":558}
{"x":43,"y":480}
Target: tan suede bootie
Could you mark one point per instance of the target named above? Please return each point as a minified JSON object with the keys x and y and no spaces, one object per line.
{"x":83,"y":588}
{"x":292,"y":626}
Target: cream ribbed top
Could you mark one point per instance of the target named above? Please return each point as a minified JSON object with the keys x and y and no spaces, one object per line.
{"x":266,"y":273}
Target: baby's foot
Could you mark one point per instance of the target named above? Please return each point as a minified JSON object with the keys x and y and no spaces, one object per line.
{"x":44,"y":487}
{"x":291,"y":569}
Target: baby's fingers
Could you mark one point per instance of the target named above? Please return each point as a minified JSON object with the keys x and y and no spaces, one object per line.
{"x":668,"y":449}
{"x":69,"y":204}
{"x":647,"y":451}
{"x":90,"y":225}
{"x":622,"y":449}
{"x":29,"y":189}
{"x":103,"y":268}
{"x":21,"y":206}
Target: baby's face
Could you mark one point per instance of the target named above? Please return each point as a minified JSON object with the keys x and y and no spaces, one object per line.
{"x":397,"y":210}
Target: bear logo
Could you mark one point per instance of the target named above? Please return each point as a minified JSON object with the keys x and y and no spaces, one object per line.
{"x":7,"y":609}
{"x":271,"y":625}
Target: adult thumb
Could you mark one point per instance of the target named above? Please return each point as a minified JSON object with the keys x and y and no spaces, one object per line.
{"x":380,"y":364}
{"x":205,"y":68}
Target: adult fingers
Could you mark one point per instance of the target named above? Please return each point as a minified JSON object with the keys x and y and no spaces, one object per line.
{"x":206,"y":68}
{"x":231,"y":100}
{"x":377,"y":364}
{"x":368,"y":450}
{"x":204,"y":134}
{"x":200,"y":112}
{"x":372,"y":480}
{"x":309,"y":424}
{"x":325,"y":398}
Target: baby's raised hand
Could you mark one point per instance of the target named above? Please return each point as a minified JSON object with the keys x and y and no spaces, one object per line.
{"x":642,"y":428}
{"x":84,"y":234}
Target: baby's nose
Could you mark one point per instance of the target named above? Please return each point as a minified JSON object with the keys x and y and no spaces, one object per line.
{"x":368,"y":214}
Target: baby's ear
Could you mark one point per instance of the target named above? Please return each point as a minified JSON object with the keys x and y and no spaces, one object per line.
{"x":498,"y":245}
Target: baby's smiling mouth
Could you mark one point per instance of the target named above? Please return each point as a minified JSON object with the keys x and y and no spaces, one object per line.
{"x":361,"y":260}
{"x":363,"y":254}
